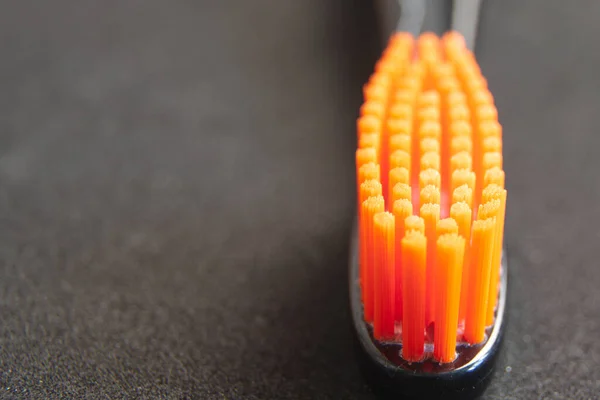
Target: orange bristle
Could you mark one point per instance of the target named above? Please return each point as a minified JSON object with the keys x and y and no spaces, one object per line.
{"x":373,"y":108}
{"x":402,"y":38}
{"x":370,"y":140}
{"x":475,"y":82}
{"x":368,"y":124}
{"x":486,"y":112}
{"x":369,"y":188}
{"x":430,"y":52}
{"x":486,"y":125}
{"x":456,"y":98}
{"x":461,"y":128}
{"x":430,"y":145}
{"x":431,"y":215}
{"x":368,"y":171}
{"x":429,"y":194}
{"x":489,"y":128}
{"x":416,"y":70}
{"x":491,"y":160}
{"x":452,"y":95}
{"x":428,"y":42}
{"x":463,"y":194}
{"x":402,"y":209}
{"x":401,"y":191}
{"x":462,"y":177}
{"x":459,"y":144}
{"x":461,"y":160}
{"x":397,"y":127}
{"x":448,"y":274}
{"x":453,"y":40}
{"x":444,"y":70}
{"x":429,"y":99}
{"x":491,"y":209}
{"x":457,"y":139}
{"x":414,"y":267}
{"x":409,"y":83}
{"x":384,"y":276}
{"x":381,"y":77}
{"x":376,"y":92}
{"x":429,"y":126}
{"x":494,"y":176}
{"x":400,"y":142}
{"x":459,"y":112}
{"x":492,"y":144}
{"x":401,"y":111}
{"x":478,"y":280}
{"x":496,"y":260}
{"x":481,"y":96}
{"x":491,"y":192}
{"x":430,"y":160}
{"x":370,"y":207}
{"x":495,"y":196}
{"x":430,"y":177}
{"x":363,"y":156}
{"x":387,"y":68}
{"x":447,"y":84}
{"x":447,"y":225}
{"x":461,"y":213}
{"x":405,"y":96}
{"x":414,"y":223}
{"x":400,"y":159}
{"x":430,"y":154}
{"x":397,"y":175}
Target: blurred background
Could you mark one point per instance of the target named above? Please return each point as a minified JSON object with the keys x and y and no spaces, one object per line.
{"x":177,"y":192}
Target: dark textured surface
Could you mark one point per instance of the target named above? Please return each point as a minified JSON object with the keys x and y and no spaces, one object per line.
{"x":176,"y":184}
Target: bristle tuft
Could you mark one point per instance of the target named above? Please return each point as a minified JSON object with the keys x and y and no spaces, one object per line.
{"x":448,"y":274}
{"x":400,"y":142}
{"x":414,"y":252}
{"x":414,"y":223}
{"x":430,"y":194}
{"x":368,"y":171}
{"x":430,"y":128}
{"x":461,"y":143}
{"x":430,"y":145}
{"x":478,"y":281}
{"x":384,"y":276}
{"x":463,"y":177}
{"x":430,"y":177}
{"x":431,"y":215}
{"x":494,"y":176}
{"x":430,"y":160}
{"x":463,"y":194}
{"x":373,"y":108}
{"x":401,"y":191}
{"x":446,"y":226}
{"x":461,"y":160}
{"x":399,"y":126}
{"x":370,"y":207}
{"x":400,"y":158}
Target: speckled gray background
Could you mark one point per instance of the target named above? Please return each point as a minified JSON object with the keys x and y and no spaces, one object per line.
{"x":176,"y":194}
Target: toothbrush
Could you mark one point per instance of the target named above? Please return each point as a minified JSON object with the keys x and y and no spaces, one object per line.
{"x":428,"y":275}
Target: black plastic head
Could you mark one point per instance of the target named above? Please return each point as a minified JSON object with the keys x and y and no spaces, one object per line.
{"x":390,"y":376}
